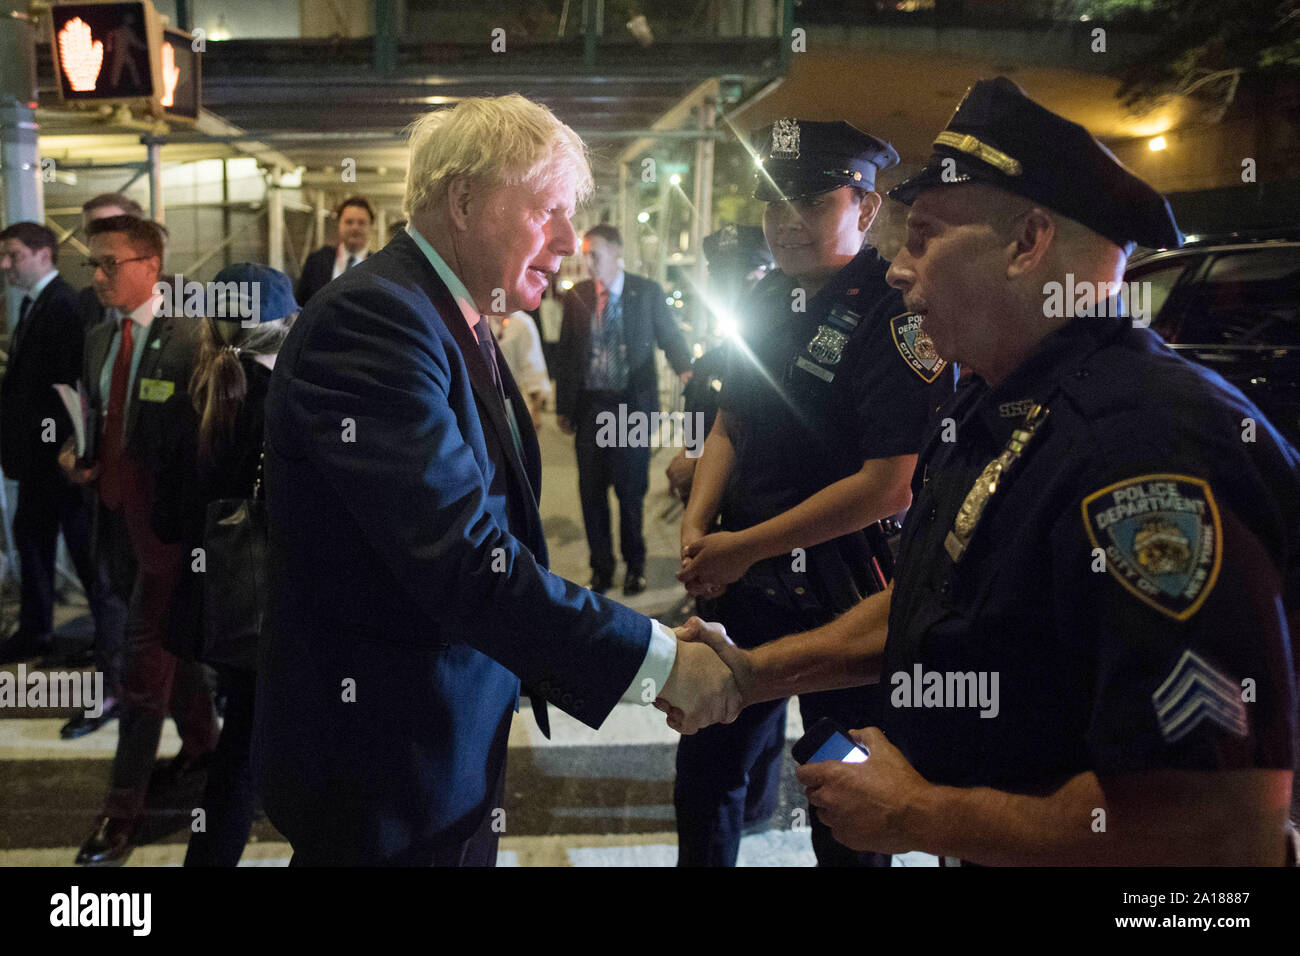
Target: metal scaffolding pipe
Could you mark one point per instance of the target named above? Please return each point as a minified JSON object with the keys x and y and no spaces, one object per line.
{"x":275,"y":220}
{"x":701,"y":224}
{"x":156,"y":210}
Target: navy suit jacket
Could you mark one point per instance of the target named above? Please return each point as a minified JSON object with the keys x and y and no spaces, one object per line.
{"x":316,"y":271}
{"x":45,"y":348}
{"x":646,"y":322}
{"x":408,"y":575}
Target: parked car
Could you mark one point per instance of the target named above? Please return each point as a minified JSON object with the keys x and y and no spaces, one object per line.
{"x":1232,"y":303}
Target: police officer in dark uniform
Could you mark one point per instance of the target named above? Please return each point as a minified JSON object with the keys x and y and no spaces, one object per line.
{"x":738,"y":259}
{"x":822,"y":412}
{"x":1102,"y":556}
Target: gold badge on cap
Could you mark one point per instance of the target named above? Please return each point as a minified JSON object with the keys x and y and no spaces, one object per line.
{"x":785,"y":139}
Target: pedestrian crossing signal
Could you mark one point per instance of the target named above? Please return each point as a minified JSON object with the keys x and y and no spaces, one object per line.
{"x":107,"y":52}
{"x":182,"y":76}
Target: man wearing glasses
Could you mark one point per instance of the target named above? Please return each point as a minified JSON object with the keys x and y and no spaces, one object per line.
{"x":132,"y":366}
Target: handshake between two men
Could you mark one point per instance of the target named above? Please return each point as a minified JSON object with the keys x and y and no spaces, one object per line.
{"x":713,"y":680}
{"x":709,"y":680}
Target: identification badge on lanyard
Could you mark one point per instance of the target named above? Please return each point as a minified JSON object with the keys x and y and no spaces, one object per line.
{"x":156,"y":390}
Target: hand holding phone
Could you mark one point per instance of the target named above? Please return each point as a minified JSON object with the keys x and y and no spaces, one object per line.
{"x":827,"y":740}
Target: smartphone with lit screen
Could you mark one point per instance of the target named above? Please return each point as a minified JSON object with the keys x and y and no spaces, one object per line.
{"x":827,"y":740}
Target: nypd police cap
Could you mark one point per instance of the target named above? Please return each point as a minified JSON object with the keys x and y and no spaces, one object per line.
{"x":799,"y":158}
{"x":737,"y":249}
{"x":1000,"y":137}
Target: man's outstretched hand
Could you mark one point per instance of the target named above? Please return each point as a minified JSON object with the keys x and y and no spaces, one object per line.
{"x":701,"y":690}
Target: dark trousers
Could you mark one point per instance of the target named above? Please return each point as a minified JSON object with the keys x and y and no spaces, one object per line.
{"x":715,"y":769}
{"x":47,"y":506}
{"x":627,"y":469}
{"x":479,"y":850}
{"x":230,"y":800}
{"x":851,"y":708}
{"x":717,"y":766}
{"x":154,"y":682}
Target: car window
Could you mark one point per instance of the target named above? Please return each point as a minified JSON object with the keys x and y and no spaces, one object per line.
{"x":1157,"y":283}
{"x":1249,"y":297}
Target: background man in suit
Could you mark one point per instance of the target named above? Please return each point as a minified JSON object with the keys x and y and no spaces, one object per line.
{"x":46,"y":349}
{"x":410,"y":593}
{"x":356,"y":218}
{"x":131,"y":368}
{"x":103,"y":206}
{"x":605,"y":359}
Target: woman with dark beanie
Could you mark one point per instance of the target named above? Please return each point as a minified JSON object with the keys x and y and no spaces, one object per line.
{"x":213,"y":450}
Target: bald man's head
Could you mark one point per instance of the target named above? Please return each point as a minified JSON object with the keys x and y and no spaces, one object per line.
{"x":976,"y":264}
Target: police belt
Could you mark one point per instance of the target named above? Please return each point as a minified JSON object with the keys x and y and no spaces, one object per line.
{"x":828,"y":581}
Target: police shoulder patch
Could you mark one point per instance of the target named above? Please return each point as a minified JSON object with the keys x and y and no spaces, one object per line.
{"x":916,"y":347}
{"x":1162,"y":538}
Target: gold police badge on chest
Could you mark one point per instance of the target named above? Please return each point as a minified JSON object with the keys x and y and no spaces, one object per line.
{"x":916,"y":346}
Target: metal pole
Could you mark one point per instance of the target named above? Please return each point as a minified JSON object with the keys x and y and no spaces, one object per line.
{"x":156,"y":210}
{"x":385,"y":60}
{"x":703,"y":221}
{"x":275,"y":220}
{"x":589,"y":17}
{"x":24,"y":196}
{"x":665,"y":211}
{"x":20,"y":162}
{"x":626,"y":225}
{"x":225,"y":209}
{"x":321,"y":213}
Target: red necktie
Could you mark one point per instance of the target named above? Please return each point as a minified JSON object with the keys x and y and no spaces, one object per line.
{"x":602,"y":301}
{"x":110,"y":482}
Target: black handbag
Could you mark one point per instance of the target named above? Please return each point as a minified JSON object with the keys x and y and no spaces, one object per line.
{"x":235,"y":583}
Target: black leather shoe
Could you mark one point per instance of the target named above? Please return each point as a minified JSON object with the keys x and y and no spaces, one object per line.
{"x":81,"y":725}
{"x":600,"y":583}
{"x":24,"y":646}
{"x":634,"y":583}
{"x":109,"y":844}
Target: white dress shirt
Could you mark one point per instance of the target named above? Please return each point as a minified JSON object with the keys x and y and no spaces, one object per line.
{"x":341,"y":257}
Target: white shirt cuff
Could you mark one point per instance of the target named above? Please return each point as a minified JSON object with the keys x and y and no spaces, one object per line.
{"x":658,"y":664}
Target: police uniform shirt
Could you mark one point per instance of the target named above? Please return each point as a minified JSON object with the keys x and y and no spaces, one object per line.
{"x":1124,"y":582}
{"x":814,"y":394}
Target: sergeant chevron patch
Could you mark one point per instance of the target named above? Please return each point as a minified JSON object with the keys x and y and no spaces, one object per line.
{"x":1162,"y":538}
{"x":1194,"y":691}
